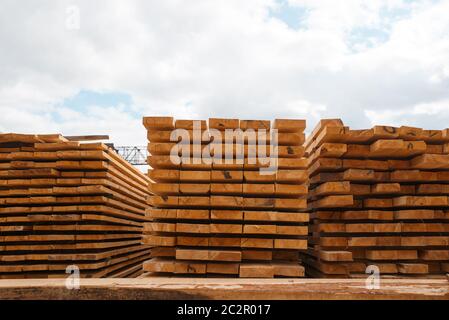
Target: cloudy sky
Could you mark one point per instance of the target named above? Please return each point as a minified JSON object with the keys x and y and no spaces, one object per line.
{"x":96,"y":67}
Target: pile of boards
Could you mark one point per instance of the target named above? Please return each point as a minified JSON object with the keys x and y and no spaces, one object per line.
{"x":216,"y":217}
{"x":69,"y":204}
{"x":379,"y":197}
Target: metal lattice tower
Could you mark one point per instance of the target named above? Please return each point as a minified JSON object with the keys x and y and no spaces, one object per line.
{"x":136,"y":155}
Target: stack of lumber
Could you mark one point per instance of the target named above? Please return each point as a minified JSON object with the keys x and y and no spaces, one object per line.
{"x":65,"y":203}
{"x":222,"y":217}
{"x":379,"y":197}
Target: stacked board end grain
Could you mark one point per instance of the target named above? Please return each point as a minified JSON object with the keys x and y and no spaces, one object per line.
{"x":226,"y":218}
{"x":379,"y":198}
{"x":65,"y":203}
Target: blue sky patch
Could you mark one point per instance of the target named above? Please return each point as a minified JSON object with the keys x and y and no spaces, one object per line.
{"x":292,"y":16}
{"x":367,"y":37}
{"x":371,"y":36}
{"x":87,"y":98}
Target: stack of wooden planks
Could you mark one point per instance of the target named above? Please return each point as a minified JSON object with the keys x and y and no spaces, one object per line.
{"x":234,"y":217}
{"x":65,"y":203}
{"x":379,"y":197}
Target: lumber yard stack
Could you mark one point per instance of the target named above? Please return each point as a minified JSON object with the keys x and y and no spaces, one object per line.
{"x":65,"y":203}
{"x":240,"y":217}
{"x":379,"y":197}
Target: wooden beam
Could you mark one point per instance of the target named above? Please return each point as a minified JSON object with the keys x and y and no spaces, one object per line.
{"x":235,"y":289}
{"x":87,"y":138}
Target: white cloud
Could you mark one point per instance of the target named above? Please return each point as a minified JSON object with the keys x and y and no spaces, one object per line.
{"x":205,"y":58}
{"x":431,"y":114}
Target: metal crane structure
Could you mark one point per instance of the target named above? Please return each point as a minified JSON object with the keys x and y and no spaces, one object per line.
{"x":136,"y":155}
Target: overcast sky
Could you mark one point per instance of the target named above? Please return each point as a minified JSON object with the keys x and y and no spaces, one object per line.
{"x":97,"y":67}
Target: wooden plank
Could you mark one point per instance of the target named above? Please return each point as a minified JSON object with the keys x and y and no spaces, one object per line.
{"x":162,"y":175}
{"x":192,"y":241}
{"x":413,"y":268}
{"x":430,"y":161}
{"x":289,"y":125}
{"x":226,"y":176}
{"x":185,"y":267}
{"x":378,"y":165}
{"x":410,"y":133}
{"x":262,"y":216}
{"x":335,"y":255}
{"x":186,"y":254}
{"x":195,"y":202}
{"x":334,"y":201}
{"x":290,"y":204}
{"x":293,"y":270}
{"x":257,"y":243}
{"x":155,"y":213}
{"x":223,"y":124}
{"x":255,"y":124}
{"x":225,"y":242}
{"x":159,"y":123}
{"x":161,"y":162}
{"x":332,"y":188}
{"x":290,"y":244}
{"x":426,"y":201}
{"x":263,"y":255}
{"x":226,"y":202}
{"x":199,"y":189}
{"x":292,"y":230}
{"x":190,"y":124}
{"x":434,"y":255}
{"x":257,"y":177}
{"x":258,"y":189}
{"x":195,"y":176}
{"x":320,"y":126}
{"x":290,"y":190}
{"x":192,"y":228}
{"x":219,"y":288}
{"x":253,"y":270}
{"x":226,"y":189}
{"x":290,"y":138}
{"x":226,"y":215}
{"x":330,"y":150}
{"x":386,"y":188}
{"x":259,"y":229}
{"x":159,"y":227}
{"x":259,"y":203}
{"x":87,"y":138}
{"x":223,"y":268}
{"x":391,"y":254}
{"x":190,"y":214}
{"x":159,"y":241}
{"x":291,"y":176}
{"x":396,"y":148}
{"x":292,"y":163}
{"x":222,"y":228}
{"x":288,"y":151}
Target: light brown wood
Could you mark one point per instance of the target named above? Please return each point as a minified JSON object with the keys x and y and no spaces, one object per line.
{"x":223,"y":268}
{"x":219,"y":288}
{"x":236,"y":197}
{"x":256,"y":271}
{"x":289,"y":125}
{"x":263,"y":255}
{"x":71,"y":201}
{"x":222,"y":124}
{"x":160,"y":123}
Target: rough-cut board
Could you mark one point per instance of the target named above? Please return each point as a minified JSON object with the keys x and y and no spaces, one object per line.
{"x":150,"y":287}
